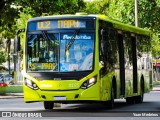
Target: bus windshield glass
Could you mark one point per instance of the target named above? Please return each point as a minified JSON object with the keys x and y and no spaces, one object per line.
{"x":60,"y":52}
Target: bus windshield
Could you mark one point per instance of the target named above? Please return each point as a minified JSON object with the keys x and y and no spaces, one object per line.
{"x":60,"y":52}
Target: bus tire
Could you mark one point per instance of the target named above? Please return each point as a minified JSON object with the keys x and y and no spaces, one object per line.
{"x":48,"y":105}
{"x":130,"y":100}
{"x":111,"y":102}
{"x":139,"y":99}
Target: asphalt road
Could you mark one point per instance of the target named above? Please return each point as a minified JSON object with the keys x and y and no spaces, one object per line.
{"x":149,"y":109}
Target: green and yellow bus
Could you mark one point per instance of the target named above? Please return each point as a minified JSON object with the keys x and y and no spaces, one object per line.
{"x":84,"y":58}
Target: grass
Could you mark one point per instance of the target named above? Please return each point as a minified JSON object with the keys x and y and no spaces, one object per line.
{"x":14,"y":89}
{"x":2,"y":90}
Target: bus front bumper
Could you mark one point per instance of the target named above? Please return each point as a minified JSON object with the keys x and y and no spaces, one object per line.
{"x":89,"y":94}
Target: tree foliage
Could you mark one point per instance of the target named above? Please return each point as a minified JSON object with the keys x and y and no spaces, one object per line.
{"x":123,"y":10}
{"x":50,"y":7}
{"x":15,"y":13}
{"x":97,"y":7}
{"x":2,"y":53}
{"x":9,"y":13}
{"x":2,"y":57}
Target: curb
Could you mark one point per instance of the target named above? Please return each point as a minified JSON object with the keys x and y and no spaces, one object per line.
{"x":11,"y":95}
{"x":156,"y":88}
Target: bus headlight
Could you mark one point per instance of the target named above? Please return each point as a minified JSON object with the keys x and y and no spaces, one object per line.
{"x":89,"y":83}
{"x":31,"y":84}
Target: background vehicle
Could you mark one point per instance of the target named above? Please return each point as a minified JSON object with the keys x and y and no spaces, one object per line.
{"x":1,"y":76}
{"x":7,"y":78}
{"x":3,"y":68}
{"x":84,"y":58}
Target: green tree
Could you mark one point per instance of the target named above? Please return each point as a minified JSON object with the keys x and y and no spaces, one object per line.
{"x":2,"y":53}
{"x":15,"y":13}
{"x":149,"y":17}
{"x":123,"y":10}
{"x":22,"y":22}
{"x":45,"y":7}
{"x":97,"y":7}
{"x":9,"y":13}
{"x":2,"y":57}
{"x":50,"y":7}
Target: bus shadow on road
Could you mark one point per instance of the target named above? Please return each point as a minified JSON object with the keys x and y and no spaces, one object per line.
{"x":98,"y":107}
{"x":121,"y":109}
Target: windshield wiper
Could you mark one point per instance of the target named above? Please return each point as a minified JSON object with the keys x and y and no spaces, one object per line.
{"x":44,"y":35}
{"x":72,"y":40}
{"x":68,"y":46}
{"x":47,"y":38}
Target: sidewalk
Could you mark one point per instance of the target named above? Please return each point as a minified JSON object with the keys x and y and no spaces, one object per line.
{"x":156,"y":88}
{"x":11,"y":95}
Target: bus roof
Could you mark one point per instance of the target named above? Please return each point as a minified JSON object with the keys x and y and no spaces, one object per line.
{"x":125,"y":27}
{"x":116,"y":24}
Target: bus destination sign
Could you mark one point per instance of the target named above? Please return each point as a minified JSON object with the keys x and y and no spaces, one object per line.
{"x":56,"y":24}
{"x":61,"y":24}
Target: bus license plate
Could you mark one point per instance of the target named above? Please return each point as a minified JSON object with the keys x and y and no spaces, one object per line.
{"x":59,"y":97}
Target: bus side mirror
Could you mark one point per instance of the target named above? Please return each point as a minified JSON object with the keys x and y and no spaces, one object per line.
{"x":17,"y":43}
{"x":17,"y":39}
{"x":101,"y":64}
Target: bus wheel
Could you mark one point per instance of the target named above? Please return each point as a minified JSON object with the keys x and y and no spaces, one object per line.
{"x":48,"y":104}
{"x":111,"y":102}
{"x":130,"y":100}
{"x":139,"y":99}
